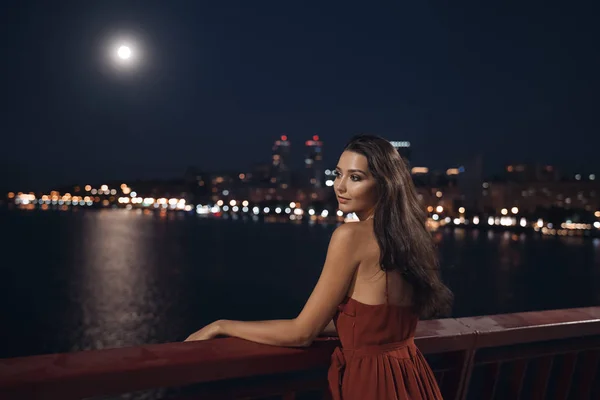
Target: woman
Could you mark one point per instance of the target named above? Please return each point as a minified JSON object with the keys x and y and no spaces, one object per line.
{"x":380,"y":276}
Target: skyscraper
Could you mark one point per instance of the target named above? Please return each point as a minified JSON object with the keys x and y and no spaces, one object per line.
{"x":403,"y":148}
{"x":314,"y":162}
{"x":280,"y":166}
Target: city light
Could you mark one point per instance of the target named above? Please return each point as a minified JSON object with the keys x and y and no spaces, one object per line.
{"x":476,"y":220}
{"x":202,"y":210}
{"x":514,"y":210}
{"x":461,"y":210}
{"x":523,"y":222}
{"x":439,"y":209}
{"x":419,"y":170}
{"x":438,"y":194}
{"x":504,"y":211}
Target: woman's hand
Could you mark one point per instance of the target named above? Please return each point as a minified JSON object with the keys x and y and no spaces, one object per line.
{"x":208,"y":332}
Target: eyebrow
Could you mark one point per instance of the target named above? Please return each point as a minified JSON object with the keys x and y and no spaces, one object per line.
{"x":353,"y":170}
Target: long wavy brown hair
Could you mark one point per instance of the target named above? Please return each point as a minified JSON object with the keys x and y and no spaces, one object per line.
{"x":400,"y":226}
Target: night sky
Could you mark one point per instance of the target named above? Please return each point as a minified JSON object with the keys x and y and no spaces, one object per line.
{"x":217,"y":82}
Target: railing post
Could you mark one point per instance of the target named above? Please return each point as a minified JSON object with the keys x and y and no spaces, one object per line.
{"x":467,"y":368}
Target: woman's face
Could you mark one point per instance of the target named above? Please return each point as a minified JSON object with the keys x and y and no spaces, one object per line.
{"x":355,"y":187}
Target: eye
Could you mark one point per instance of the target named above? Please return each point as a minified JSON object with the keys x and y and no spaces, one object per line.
{"x":336,"y":173}
{"x":355,"y":178}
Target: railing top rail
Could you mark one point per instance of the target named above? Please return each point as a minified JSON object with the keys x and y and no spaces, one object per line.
{"x":75,"y":375}
{"x":533,"y":326}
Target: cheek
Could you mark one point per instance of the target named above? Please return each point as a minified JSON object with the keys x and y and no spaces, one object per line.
{"x":364,"y":192}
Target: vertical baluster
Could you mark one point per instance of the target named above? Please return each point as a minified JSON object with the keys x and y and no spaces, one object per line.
{"x":460,"y":385}
{"x":587,"y":372}
{"x":490,"y":380}
{"x":440,"y":378}
{"x":517,"y":377}
{"x":542,"y":374}
{"x":565,"y":376}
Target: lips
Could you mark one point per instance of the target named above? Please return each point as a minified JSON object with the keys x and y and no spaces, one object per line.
{"x":342,"y":199}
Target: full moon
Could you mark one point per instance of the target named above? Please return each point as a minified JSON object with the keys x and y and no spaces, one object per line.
{"x":124,"y":52}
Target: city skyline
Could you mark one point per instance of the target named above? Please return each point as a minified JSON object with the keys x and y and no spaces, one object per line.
{"x":295,"y":160}
{"x":213,"y":85}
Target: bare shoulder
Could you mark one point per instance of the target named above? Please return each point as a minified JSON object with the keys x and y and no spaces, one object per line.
{"x":345,"y":232}
{"x":352,"y":233}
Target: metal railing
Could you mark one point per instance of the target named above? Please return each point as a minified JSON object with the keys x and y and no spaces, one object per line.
{"x":534,"y":355}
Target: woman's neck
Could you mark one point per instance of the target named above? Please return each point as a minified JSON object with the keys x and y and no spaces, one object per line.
{"x":365,"y":216}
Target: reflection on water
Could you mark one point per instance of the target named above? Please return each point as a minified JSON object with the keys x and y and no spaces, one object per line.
{"x":92,"y":280}
{"x":115,"y":288}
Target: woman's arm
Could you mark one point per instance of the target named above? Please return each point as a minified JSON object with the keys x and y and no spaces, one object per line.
{"x":330,"y":290}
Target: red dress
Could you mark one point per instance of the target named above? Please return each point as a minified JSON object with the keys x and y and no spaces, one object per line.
{"x":378,"y":358}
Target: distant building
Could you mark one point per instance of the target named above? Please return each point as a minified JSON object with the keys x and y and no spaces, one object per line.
{"x":529,"y":196}
{"x":313,"y":162}
{"x":531,"y":173}
{"x":281,"y":162}
{"x":471,"y":181}
{"x":260,"y":174}
{"x":403,"y":148}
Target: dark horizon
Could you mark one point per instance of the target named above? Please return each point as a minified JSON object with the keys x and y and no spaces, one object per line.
{"x":218,"y":84}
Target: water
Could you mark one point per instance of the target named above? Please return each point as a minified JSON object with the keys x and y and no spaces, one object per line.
{"x":72,"y":281}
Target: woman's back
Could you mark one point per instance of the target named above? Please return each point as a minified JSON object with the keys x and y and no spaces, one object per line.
{"x":371,"y":284}
{"x":376,"y":325}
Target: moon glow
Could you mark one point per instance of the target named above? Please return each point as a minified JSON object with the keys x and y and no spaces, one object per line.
{"x":124,"y":52}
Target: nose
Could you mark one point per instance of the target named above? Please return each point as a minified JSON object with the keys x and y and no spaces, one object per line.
{"x":340,"y":186}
